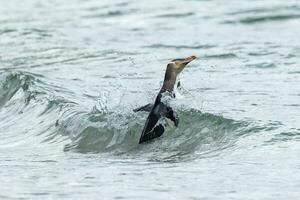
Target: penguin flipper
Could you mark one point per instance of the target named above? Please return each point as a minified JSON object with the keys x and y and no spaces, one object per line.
{"x":146,"y":108}
{"x":156,"y":132}
{"x":152,"y":129}
{"x":172,"y":115}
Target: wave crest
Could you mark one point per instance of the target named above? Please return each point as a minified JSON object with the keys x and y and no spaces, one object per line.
{"x":199,"y":133}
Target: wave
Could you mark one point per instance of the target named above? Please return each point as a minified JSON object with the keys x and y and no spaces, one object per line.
{"x":28,"y":110}
{"x":118,"y":133}
{"x":33,"y":115}
{"x":11,"y":83}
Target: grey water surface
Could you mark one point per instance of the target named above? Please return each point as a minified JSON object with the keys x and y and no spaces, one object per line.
{"x":72,"y":71}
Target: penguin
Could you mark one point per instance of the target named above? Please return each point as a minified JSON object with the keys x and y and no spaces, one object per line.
{"x":153,"y":128}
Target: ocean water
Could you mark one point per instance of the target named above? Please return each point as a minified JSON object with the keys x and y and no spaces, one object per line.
{"x":71,"y":72}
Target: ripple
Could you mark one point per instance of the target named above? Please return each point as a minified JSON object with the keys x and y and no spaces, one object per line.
{"x":261,"y":19}
{"x":7,"y":30}
{"x":291,"y":105}
{"x":108,"y":14}
{"x":180,"y":46}
{"x":112,"y":13}
{"x":266,"y":10}
{"x":175,"y":15}
{"x":285,"y":137}
{"x":263,"y":65}
{"x":221,"y":56}
{"x":36,"y":31}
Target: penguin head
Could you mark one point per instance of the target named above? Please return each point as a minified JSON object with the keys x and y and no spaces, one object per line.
{"x":179,"y":64}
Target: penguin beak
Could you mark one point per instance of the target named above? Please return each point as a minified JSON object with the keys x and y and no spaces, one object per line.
{"x":188,"y":60}
{"x":181,"y":63}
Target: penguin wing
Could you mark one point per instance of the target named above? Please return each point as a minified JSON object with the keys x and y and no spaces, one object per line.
{"x":172,"y":115}
{"x":151,"y":129}
{"x":146,"y":108}
{"x":157,"y":131}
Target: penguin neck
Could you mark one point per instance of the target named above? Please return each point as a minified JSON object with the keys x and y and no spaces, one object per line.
{"x":169,"y":81}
